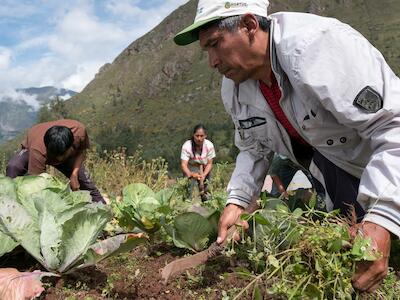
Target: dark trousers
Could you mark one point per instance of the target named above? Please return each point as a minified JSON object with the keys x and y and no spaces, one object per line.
{"x":341,"y":186}
{"x":18,"y":166}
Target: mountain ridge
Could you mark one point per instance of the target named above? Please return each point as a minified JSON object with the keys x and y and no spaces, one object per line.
{"x":20,"y":111}
{"x":154,"y":92}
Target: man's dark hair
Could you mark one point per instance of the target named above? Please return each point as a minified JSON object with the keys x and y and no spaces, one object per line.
{"x":58,"y":139}
{"x":231,"y":24}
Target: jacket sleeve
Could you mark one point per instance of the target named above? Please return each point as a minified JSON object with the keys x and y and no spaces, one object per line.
{"x":252,"y":161}
{"x":247,"y":178}
{"x":334,"y":66}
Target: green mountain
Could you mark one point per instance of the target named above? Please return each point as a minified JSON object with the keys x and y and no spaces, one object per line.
{"x":154,"y":92}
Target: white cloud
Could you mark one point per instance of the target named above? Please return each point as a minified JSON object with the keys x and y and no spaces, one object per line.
{"x":20,"y":97}
{"x":74,"y":41}
{"x":5,"y":58}
{"x":82,"y":37}
{"x":15,"y":9}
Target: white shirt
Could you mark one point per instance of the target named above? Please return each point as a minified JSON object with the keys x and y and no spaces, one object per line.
{"x":195,"y":159}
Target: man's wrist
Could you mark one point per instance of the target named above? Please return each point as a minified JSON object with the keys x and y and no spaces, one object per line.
{"x":235,"y":205}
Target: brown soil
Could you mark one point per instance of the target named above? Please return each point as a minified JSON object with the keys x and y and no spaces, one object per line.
{"x":136,"y":275}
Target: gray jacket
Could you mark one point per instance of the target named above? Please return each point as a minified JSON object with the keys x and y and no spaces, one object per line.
{"x":340,"y":95}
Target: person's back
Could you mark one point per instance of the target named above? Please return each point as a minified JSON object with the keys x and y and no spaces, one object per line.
{"x":61,"y":144}
{"x":34,"y":143}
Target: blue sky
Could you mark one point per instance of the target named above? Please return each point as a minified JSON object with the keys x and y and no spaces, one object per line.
{"x":64,"y":43}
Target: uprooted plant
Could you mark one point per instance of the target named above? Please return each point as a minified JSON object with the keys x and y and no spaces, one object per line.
{"x":305,"y":254}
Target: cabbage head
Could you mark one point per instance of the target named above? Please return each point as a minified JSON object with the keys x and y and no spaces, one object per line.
{"x":141,"y":207}
{"x":55,"y":225}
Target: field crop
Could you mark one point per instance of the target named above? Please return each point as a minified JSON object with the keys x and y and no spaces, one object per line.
{"x":296,"y":253}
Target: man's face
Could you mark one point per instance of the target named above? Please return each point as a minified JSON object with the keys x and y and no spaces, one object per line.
{"x":62,"y":158}
{"x":229,"y":52}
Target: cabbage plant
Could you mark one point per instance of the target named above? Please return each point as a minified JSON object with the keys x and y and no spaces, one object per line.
{"x":141,"y":207}
{"x":194,"y":229}
{"x":56,"y":226}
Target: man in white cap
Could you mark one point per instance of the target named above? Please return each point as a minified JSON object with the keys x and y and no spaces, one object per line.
{"x":315,"y":90}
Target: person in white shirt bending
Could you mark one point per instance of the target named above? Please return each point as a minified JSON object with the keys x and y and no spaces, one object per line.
{"x":197,"y":158}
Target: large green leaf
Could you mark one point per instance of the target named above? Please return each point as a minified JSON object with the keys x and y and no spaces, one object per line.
{"x":7,"y":187}
{"x":164,"y":196}
{"x":193,"y":230}
{"x":81,"y":231}
{"x":27,"y":185}
{"x":48,"y":205}
{"x":20,"y":226}
{"x":78,"y":197}
{"x":136,"y":192}
{"x":50,"y":238}
{"x":7,"y":244}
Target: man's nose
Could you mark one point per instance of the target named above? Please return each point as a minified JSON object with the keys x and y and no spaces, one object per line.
{"x":213,"y":59}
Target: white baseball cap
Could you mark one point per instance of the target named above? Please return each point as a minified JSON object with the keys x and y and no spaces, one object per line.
{"x":210,"y":10}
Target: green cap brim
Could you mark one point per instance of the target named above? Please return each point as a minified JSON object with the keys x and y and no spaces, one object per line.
{"x":191,"y":33}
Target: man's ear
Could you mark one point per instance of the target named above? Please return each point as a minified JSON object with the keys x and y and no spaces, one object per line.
{"x":250,"y":24}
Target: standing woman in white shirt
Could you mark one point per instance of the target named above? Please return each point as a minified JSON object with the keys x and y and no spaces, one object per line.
{"x":196,"y":160}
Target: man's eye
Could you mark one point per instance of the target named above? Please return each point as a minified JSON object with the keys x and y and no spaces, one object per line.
{"x":214,"y":44}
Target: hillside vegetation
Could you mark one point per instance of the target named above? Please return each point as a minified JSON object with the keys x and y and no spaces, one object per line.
{"x":154,"y":92}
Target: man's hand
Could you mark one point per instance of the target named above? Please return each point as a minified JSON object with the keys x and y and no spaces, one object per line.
{"x":74,"y":182}
{"x":369,"y":274}
{"x":230,"y":216}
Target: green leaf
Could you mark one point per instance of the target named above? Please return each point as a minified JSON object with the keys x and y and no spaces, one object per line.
{"x":257,"y":293}
{"x":362,"y":250}
{"x":53,"y":224}
{"x":7,"y":187}
{"x":20,"y":226}
{"x":261,"y":220}
{"x":313,"y":201}
{"x":335,"y":245}
{"x":80,"y":232}
{"x":243,"y":272}
{"x":312,"y":292}
{"x":30,"y":184}
{"x":192,"y":231}
{"x":7,"y":243}
{"x":140,"y":206}
{"x":272,"y":203}
{"x":164,"y":196}
{"x":297,"y":213}
{"x":50,"y":238}
{"x":300,"y":269}
{"x":273,"y":261}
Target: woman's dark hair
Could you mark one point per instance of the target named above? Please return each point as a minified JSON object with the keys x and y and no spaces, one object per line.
{"x":197,"y":127}
{"x":58,"y":139}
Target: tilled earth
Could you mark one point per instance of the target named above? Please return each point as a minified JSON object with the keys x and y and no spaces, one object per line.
{"x":136,"y":275}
